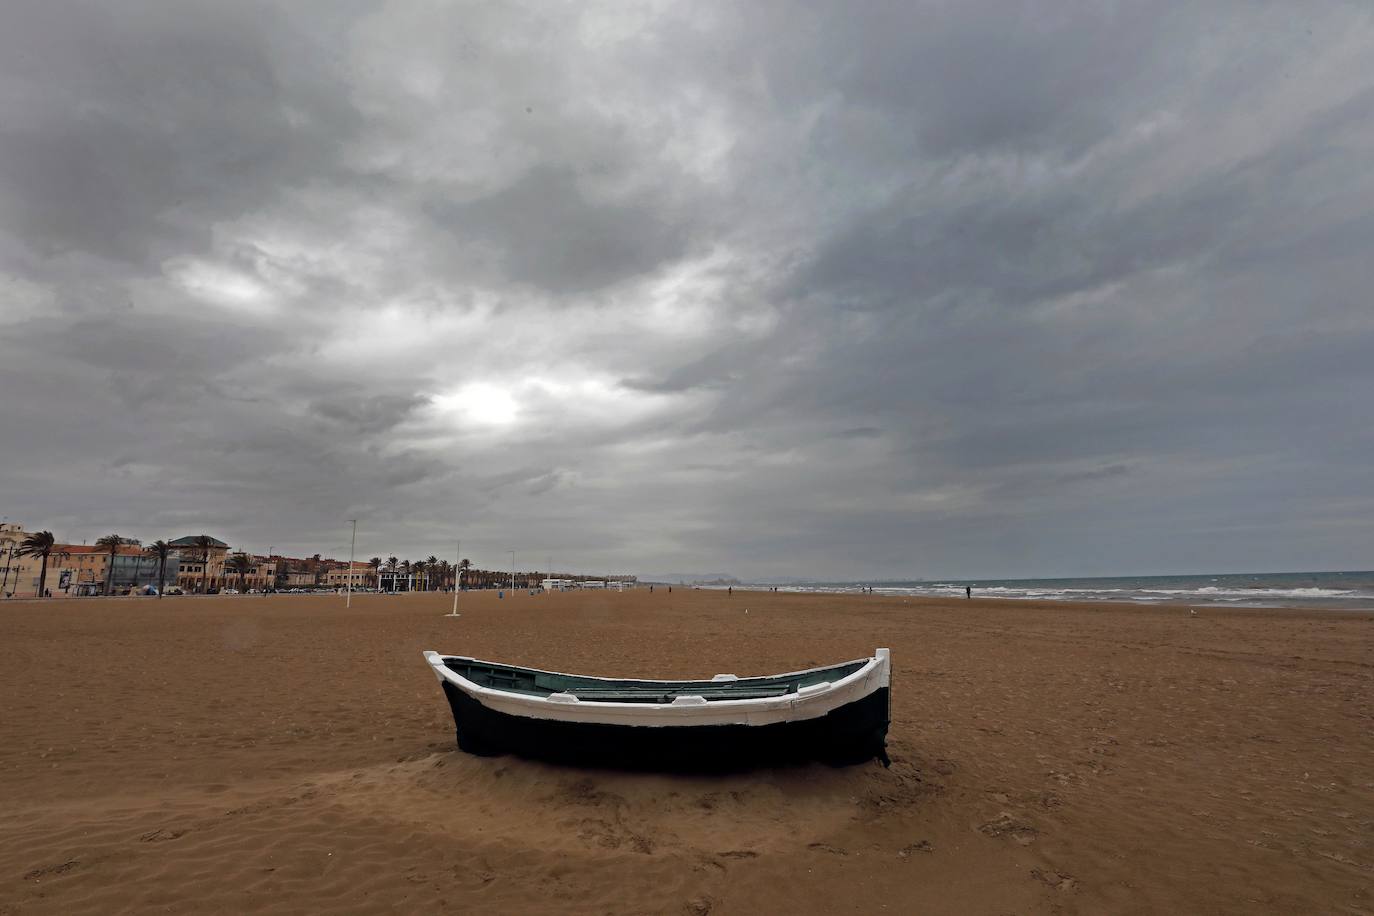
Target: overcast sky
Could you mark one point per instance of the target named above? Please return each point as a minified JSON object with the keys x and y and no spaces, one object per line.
{"x":776,"y":289}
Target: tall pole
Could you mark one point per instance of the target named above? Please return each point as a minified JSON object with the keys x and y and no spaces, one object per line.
{"x":457,"y":577}
{"x":512,"y":573}
{"x":348,"y":579}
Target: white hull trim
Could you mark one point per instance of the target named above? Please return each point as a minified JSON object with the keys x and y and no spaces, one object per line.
{"x":686,"y":711}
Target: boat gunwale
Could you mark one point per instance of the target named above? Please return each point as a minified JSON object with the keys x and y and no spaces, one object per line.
{"x":866,"y":660}
{"x":817,"y":702}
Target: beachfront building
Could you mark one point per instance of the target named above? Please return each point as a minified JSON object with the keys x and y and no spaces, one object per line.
{"x":259,"y":577}
{"x":19,"y":576}
{"x":397,"y":580}
{"x":14,"y":569}
{"x":74,"y":569}
{"x":266,"y":572}
{"x":306,"y":572}
{"x":85,"y":569}
{"x":555,"y":585}
{"x":297,"y":578}
{"x":200,"y":566}
{"x":360,"y":576}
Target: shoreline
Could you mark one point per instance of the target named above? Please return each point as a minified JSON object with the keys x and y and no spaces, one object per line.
{"x":1355,"y":605}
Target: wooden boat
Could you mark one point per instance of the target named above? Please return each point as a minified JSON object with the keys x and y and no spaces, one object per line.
{"x":838,"y":714}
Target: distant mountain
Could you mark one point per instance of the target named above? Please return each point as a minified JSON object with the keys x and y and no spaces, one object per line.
{"x":714,"y":578}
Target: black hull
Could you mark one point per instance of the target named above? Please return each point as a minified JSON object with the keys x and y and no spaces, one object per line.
{"x":851,"y":734}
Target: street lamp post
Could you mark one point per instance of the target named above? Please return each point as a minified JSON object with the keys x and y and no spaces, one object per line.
{"x":457,"y":577}
{"x":348,"y":577}
{"x":9,"y":557}
{"x":512,"y":573}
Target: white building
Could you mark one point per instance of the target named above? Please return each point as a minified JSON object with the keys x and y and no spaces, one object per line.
{"x":394,"y":581}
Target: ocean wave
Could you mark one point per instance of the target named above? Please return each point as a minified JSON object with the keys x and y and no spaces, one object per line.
{"x":1228,"y":594}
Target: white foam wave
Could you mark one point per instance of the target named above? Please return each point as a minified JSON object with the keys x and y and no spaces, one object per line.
{"x":1206,"y":593}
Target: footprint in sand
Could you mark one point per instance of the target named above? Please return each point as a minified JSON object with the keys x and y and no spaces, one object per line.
{"x":738,"y":854}
{"x":707,"y":864}
{"x":1004,"y":824}
{"x":45,"y":871}
{"x":922,"y":846}
{"x":1059,"y":882}
{"x":826,"y":847}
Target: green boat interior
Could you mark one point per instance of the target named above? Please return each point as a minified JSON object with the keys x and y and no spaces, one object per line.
{"x":544,"y":683}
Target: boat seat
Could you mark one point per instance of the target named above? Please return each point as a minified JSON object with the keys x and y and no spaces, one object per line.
{"x":656,"y":694}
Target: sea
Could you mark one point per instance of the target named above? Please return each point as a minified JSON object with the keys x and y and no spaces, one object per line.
{"x":1336,"y":590}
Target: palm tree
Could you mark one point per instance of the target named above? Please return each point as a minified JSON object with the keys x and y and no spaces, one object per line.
{"x":463,"y":566}
{"x":391,"y":564}
{"x":375,"y":563}
{"x":39,"y":544}
{"x":111,"y":543}
{"x":162,"y":550}
{"x":203,"y":544}
{"x":418,"y":569}
{"x":240,"y":563}
{"x":432,"y":564}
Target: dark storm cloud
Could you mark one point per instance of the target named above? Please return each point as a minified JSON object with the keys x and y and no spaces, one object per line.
{"x":977,"y":77}
{"x":840,"y":290}
{"x":129,"y":128}
{"x":369,"y":414}
{"x":547,"y":231}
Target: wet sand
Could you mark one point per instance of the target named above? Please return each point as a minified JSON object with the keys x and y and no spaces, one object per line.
{"x":287,"y":755}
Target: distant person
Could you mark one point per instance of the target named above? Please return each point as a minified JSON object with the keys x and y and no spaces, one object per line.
{"x":651,"y":589}
{"x":968,"y":592}
{"x":670,"y":589}
{"x":730,"y":589}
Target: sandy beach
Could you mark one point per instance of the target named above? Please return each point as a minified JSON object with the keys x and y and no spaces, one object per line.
{"x":287,"y":755}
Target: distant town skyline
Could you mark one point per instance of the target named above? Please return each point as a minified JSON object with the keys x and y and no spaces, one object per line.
{"x":121,"y":564}
{"x":533,"y":560}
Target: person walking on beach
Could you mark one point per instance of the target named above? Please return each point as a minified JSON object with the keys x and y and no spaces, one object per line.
{"x":968,"y":592}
